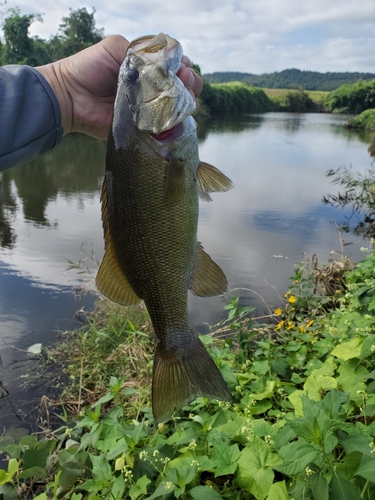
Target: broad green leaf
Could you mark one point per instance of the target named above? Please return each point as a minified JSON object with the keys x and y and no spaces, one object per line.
{"x":100,"y":467}
{"x":367,"y":469}
{"x":348,"y":350}
{"x":315,"y":384}
{"x":254,"y":472}
{"x":368,"y":346}
{"x":204,"y":493}
{"x":333,"y":401}
{"x":118,"y":487}
{"x":295,"y":399}
{"x":226,"y":459}
{"x":355,"y":442}
{"x":69,"y":477}
{"x":296,"y":457}
{"x":139,"y":488}
{"x":278,"y":492}
{"x":319,"y":486}
{"x":38,"y":472}
{"x":43,"y":496}
{"x":342,"y":489}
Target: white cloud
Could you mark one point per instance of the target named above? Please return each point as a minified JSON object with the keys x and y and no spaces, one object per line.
{"x":240,"y":35}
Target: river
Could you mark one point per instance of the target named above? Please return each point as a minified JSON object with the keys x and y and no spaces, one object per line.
{"x":274,"y":218}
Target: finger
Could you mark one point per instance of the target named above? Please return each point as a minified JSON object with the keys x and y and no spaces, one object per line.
{"x":185,"y":62}
{"x":192,"y":81}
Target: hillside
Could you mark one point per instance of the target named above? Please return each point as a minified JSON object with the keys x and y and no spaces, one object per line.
{"x":290,"y":78}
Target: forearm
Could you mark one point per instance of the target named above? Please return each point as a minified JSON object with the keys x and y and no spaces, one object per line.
{"x":30,"y":117}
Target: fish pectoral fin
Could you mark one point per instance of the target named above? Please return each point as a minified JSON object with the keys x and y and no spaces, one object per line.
{"x":208,"y":278}
{"x":111,"y":281}
{"x":179,"y":378}
{"x":210,"y":180}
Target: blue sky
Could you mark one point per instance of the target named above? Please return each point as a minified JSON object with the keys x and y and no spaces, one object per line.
{"x":238,"y":35}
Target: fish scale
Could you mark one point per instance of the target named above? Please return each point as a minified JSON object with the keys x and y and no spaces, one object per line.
{"x":150,"y":218}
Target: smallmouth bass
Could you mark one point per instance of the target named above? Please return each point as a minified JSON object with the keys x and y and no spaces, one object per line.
{"x":153,"y":179}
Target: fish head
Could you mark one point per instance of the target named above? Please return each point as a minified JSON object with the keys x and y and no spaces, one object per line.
{"x":157,"y":98}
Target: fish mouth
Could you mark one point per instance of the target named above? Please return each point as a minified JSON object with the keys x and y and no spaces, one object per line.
{"x":170,"y":135}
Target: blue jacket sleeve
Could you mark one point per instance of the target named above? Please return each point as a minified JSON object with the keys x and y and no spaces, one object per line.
{"x":30,"y":117}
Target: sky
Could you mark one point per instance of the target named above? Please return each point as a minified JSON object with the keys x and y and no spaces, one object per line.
{"x":253,"y":36}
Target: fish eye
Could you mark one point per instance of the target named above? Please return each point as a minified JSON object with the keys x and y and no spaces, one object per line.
{"x":132,"y":75}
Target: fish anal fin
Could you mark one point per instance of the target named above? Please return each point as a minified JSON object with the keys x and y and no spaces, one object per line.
{"x":178,"y":378}
{"x":110,"y":280}
{"x":208,"y":278}
{"x":210,"y":180}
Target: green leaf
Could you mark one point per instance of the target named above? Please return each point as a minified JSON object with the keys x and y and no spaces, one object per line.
{"x":204,"y":493}
{"x":319,"y":486}
{"x":226,"y":459}
{"x":334,"y":401}
{"x":139,"y":488}
{"x":315,"y":384}
{"x":342,"y":489}
{"x":254,"y":472}
{"x":367,"y":469}
{"x":12,"y":467}
{"x":355,"y":442}
{"x":38,"y":472}
{"x":164,"y":488}
{"x":296,"y":457}
{"x":368,"y":346}
{"x":348,"y":350}
{"x":3,"y":477}
{"x":100,"y":467}
{"x":278,"y":492}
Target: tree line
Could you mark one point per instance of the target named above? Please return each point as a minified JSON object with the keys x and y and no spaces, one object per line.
{"x":76,"y":32}
{"x":290,"y":79}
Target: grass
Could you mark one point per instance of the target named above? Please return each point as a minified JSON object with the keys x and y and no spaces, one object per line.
{"x":316,"y":95}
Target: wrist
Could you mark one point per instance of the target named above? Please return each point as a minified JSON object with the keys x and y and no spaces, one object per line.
{"x":55,"y":77}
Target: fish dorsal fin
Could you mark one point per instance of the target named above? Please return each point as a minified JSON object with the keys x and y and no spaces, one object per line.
{"x":110,"y":280}
{"x":208,"y":278}
{"x":210,"y":180}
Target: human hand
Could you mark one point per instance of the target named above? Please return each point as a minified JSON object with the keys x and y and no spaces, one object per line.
{"x":85,"y":85}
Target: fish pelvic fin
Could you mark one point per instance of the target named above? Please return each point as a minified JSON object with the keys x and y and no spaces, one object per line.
{"x":208,"y":278}
{"x":110,"y":280}
{"x":178,"y":378}
{"x":210,"y":180}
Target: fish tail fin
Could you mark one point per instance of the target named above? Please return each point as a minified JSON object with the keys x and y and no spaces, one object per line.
{"x":179,"y":377}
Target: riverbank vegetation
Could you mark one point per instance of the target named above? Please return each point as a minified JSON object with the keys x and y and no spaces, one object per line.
{"x":301,"y":425}
{"x":354,"y":98}
{"x":364,"y":121}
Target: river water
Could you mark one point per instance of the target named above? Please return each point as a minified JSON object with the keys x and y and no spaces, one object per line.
{"x":274,"y":218}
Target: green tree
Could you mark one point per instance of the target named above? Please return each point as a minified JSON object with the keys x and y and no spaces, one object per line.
{"x":18,"y":46}
{"x":76,"y":32}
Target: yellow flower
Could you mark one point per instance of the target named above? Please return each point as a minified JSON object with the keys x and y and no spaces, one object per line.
{"x":301,"y":329}
{"x":290,"y":325}
{"x":280,"y":324}
{"x":309,"y":323}
{"x":292,"y":299}
{"x":278,"y":311}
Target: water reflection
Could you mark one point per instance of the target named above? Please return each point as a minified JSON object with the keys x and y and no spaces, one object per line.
{"x":75,"y":166}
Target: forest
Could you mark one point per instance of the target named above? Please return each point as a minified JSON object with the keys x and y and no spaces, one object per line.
{"x":76,"y":32}
{"x":290,"y":79}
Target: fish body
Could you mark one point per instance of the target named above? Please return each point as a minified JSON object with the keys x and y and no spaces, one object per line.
{"x":150,"y":210}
